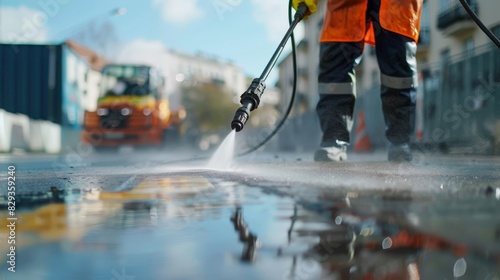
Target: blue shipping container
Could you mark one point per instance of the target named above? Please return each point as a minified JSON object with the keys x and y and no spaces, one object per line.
{"x":30,"y":80}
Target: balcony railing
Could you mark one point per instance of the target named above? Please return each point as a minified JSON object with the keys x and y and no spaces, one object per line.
{"x":455,"y":14}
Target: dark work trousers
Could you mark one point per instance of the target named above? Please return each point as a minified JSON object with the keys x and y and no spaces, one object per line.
{"x":337,"y":84}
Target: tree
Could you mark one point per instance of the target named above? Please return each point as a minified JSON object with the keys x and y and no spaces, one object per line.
{"x":99,"y":36}
{"x":209,"y":107}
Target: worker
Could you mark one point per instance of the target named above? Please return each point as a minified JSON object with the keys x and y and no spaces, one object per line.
{"x":393,"y":27}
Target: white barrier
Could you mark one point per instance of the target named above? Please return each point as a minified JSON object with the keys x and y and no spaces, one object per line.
{"x":36,"y":136}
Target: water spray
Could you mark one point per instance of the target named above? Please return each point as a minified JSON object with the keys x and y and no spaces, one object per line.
{"x":250,"y":99}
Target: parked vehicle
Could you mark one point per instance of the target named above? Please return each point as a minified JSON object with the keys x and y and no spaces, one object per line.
{"x":131,"y":109}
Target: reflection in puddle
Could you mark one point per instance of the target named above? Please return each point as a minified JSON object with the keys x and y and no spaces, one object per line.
{"x":246,"y":237}
{"x":196,"y":228}
{"x":389,"y":238}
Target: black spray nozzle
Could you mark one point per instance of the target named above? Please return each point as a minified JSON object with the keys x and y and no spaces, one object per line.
{"x":249,"y":100}
{"x":241,"y":117}
{"x":302,"y":11}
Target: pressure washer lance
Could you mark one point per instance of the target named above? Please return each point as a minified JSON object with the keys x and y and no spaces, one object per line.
{"x":250,"y":99}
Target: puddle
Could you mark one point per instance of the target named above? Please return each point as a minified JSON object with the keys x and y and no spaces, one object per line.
{"x":193,"y":227}
{"x":163,"y":228}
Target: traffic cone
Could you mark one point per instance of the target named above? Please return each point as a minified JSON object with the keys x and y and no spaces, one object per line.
{"x":420,"y":134}
{"x":362,"y":142}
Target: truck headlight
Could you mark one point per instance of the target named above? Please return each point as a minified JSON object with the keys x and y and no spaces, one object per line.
{"x":146,"y":112}
{"x":125,"y":111}
{"x":102,"y":111}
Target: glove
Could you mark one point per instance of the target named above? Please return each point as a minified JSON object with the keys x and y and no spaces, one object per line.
{"x":311,"y":4}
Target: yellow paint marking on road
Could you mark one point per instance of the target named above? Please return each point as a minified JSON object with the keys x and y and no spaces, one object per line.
{"x":57,"y":221}
{"x":166,"y":186}
{"x":158,"y":188}
{"x":49,"y":218}
{"x":126,"y":196}
{"x":49,"y":222}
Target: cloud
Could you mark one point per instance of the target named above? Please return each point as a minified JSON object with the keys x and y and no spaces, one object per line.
{"x":176,"y":11}
{"x":143,"y":52}
{"x":273,"y":14}
{"x":23,"y":25}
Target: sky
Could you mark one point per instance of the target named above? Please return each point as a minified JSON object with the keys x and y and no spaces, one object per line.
{"x":245,"y":32}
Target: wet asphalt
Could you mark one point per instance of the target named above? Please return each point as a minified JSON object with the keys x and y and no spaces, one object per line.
{"x":147,"y":214}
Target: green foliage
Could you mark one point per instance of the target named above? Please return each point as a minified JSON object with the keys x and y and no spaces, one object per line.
{"x":209,"y":107}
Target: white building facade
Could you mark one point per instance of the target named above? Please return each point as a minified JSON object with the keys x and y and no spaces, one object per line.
{"x":181,"y":67}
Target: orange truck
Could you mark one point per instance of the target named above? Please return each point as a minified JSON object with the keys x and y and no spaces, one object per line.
{"x":131,"y":109}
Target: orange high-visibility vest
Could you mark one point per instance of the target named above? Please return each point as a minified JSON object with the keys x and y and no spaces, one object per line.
{"x":345,"y":20}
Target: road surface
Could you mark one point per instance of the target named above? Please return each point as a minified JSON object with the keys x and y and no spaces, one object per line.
{"x":162,"y":215}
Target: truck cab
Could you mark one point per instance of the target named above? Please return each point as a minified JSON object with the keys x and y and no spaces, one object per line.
{"x":131,"y":109}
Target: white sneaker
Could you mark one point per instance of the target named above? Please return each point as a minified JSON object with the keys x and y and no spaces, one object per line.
{"x":331,"y":154}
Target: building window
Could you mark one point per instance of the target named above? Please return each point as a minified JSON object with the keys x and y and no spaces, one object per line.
{"x":469,"y":45}
{"x":444,"y":5}
{"x":445,"y":56}
{"x":425,"y":26}
{"x":425,"y":20}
